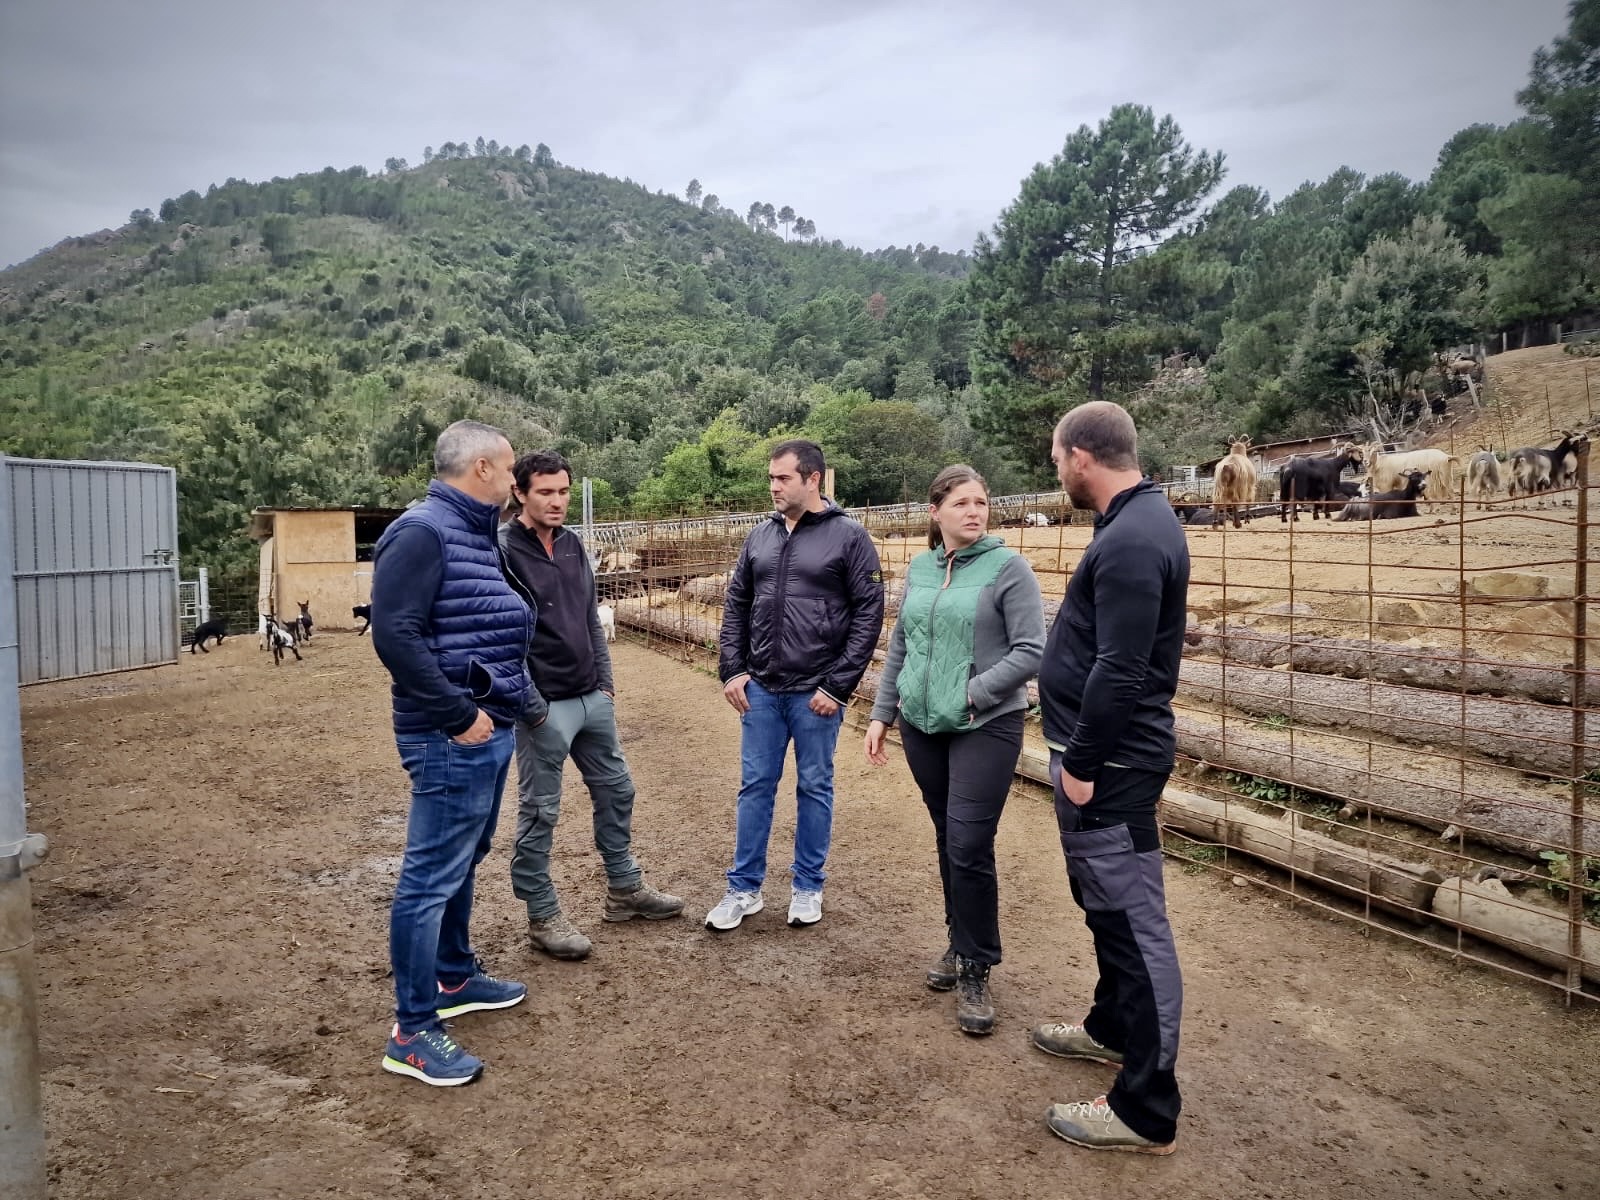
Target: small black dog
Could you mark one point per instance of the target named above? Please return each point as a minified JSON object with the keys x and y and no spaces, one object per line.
{"x":362,"y":612}
{"x":214,"y":628}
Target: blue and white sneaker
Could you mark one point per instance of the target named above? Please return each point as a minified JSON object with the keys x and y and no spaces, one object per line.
{"x":479,"y":993}
{"x":432,"y":1056}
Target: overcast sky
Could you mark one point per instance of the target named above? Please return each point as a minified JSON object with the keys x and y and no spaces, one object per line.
{"x":884,"y":122}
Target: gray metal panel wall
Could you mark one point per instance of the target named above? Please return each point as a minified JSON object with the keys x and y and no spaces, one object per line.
{"x":95,"y":547}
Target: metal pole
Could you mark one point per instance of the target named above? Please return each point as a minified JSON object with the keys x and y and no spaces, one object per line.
{"x":1577,"y":875}
{"x":21,"y":1119}
{"x":588,"y":524}
{"x":204,"y":595}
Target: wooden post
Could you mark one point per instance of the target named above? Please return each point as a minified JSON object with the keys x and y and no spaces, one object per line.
{"x":827,"y":483}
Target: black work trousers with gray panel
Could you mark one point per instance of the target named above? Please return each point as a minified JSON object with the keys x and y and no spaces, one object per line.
{"x":1113,"y":850}
{"x":964,"y":779}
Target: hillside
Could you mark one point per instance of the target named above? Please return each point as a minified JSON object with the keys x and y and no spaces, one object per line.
{"x":300,"y":341}
{"x":1532,"y":392}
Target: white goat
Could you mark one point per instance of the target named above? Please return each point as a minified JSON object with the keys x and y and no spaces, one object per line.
{"x":1388,"y":471}
{"x":1036,"y":519}
{"x":1483,"y":475}
{"x":608,"y":622}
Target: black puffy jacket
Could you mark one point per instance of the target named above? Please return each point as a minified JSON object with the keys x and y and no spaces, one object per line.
{"x":804,"y":609}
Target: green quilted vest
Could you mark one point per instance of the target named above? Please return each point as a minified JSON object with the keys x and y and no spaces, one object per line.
{"x":939,"y":620}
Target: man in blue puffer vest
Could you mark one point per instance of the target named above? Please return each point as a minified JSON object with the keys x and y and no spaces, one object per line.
{"x":455,"y":639}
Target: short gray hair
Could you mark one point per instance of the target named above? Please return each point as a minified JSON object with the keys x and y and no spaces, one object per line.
{"x":463,"y":443}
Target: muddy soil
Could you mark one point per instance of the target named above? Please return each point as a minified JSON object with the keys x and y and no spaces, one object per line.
{"x":211,"y":936}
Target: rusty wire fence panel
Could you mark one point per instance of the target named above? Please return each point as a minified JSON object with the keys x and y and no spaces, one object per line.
{"x":1392,"y":721}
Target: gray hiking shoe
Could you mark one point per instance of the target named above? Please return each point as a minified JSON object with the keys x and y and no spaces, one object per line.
{"x":641,"y":901}
{"x":942,"y":975}
{"x":1072,"y":1041}
{"x":1092,"y":1124}
{"x":558,"y":937}
{"x":974,"y":1005}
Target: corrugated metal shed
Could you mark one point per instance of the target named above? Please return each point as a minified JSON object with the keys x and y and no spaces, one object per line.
{"x":94,"y":557}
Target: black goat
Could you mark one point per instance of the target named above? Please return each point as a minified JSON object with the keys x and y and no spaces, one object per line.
{"x":214,"y":628}
{"x":1311,"y":480}
{"x":362,"y":612}
{"x":1388,"y":506}
{"x":304,"y":621}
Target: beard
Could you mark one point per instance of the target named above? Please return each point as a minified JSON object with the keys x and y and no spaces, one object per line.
{"x":1080,"y":495}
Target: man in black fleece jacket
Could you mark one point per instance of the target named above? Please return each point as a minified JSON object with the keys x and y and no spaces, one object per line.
{"x":1105,"y":687}
{"x":570,"y":712}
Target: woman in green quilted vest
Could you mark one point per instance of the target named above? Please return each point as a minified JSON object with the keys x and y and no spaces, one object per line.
{"x":969,"y":636}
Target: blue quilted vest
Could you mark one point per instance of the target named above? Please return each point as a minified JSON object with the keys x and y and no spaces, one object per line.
{"x":479,"y":629}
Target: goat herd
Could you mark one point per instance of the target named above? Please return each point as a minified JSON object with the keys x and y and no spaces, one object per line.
{"x":1393,"y":486}
{"x":279,"y":636}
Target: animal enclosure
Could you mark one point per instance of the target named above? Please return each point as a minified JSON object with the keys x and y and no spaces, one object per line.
{"x":1394,"y":721}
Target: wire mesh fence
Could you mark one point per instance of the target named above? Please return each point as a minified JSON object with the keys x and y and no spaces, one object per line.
{"x":1389,"y":720}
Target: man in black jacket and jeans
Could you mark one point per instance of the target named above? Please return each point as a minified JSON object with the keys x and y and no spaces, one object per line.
{"x":570,"y":712}
{"x":803,"y":612}
{"x":1105,"y":687}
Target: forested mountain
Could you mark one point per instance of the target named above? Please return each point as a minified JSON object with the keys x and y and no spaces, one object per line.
{"x":300,"y":341}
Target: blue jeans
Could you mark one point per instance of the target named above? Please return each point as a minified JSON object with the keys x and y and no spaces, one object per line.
{"x":774,"y":720}
{"x":455,"y":802}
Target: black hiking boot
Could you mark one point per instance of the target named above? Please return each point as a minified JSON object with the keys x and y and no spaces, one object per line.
{"x":942,"y":975}
{"x":974,"y":1005}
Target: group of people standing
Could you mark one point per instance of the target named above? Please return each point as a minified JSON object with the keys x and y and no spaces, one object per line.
{"x":492,"y":640}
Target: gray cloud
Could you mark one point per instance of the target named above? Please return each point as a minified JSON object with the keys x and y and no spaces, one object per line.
{"x":885,"y":122}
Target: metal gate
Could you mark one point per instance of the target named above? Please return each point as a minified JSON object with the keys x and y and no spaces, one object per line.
{"x":94,"y":554}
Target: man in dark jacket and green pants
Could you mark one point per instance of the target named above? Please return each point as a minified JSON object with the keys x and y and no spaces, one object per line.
{"x":802,"y":616}
{"x":1105,"y":687}
{"x":570,"y":713}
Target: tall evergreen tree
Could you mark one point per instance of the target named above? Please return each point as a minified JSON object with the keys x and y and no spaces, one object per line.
{"x":1069,"y":305}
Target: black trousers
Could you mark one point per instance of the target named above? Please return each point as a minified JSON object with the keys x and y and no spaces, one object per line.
{"x":1113,"y":851}
{"x":965,"y":778}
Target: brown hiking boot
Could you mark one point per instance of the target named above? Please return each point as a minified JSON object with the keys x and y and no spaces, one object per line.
{"x":1073,"y":1041}
{"x":1092,"y":1124}
{"x":942,"y":975}
{"x":641,"y":901}
{"x":974,"y":1005}
{"x":558,"y":937}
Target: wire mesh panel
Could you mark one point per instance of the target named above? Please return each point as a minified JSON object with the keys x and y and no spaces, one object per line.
{"x":95,"y":565}
{"x":1392,"y":720}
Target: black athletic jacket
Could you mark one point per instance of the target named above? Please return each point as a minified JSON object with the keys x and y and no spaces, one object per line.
{"x":568,"y":656}
{"x":804,"y":609}
{"x":1111,"y":663}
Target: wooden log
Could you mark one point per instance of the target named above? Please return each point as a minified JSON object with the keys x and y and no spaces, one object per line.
{"x":1415,"y":666}
{"x":1395,"y":885}
{"x":1497,"y":808}
{"x":1488,"y":910}
{"x":1531,"y":736}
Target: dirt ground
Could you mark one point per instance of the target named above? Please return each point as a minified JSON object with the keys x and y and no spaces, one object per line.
{"x":211,"y":933}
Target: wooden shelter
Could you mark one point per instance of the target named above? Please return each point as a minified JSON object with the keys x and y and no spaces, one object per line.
{"x":320,"y":555}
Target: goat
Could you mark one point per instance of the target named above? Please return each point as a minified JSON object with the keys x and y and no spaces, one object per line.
{"x":214,"y":628}
{"x":608,"y":622}
{"x":1234,"y":482}
{"x":1035,"y":519}
{"x":281,"y":638}
{"x":362,"y":612}
{"x":303,"y":621}
{"x":1311,"y":478}
{"x":1535,"y":469}
{"x":1388,"y":506}
{"x":1388,"y":471}
{"x":1483,"y":475}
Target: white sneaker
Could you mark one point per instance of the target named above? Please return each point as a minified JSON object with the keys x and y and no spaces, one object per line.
{"x":805,"y":908}
{"x":733,"y":908}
